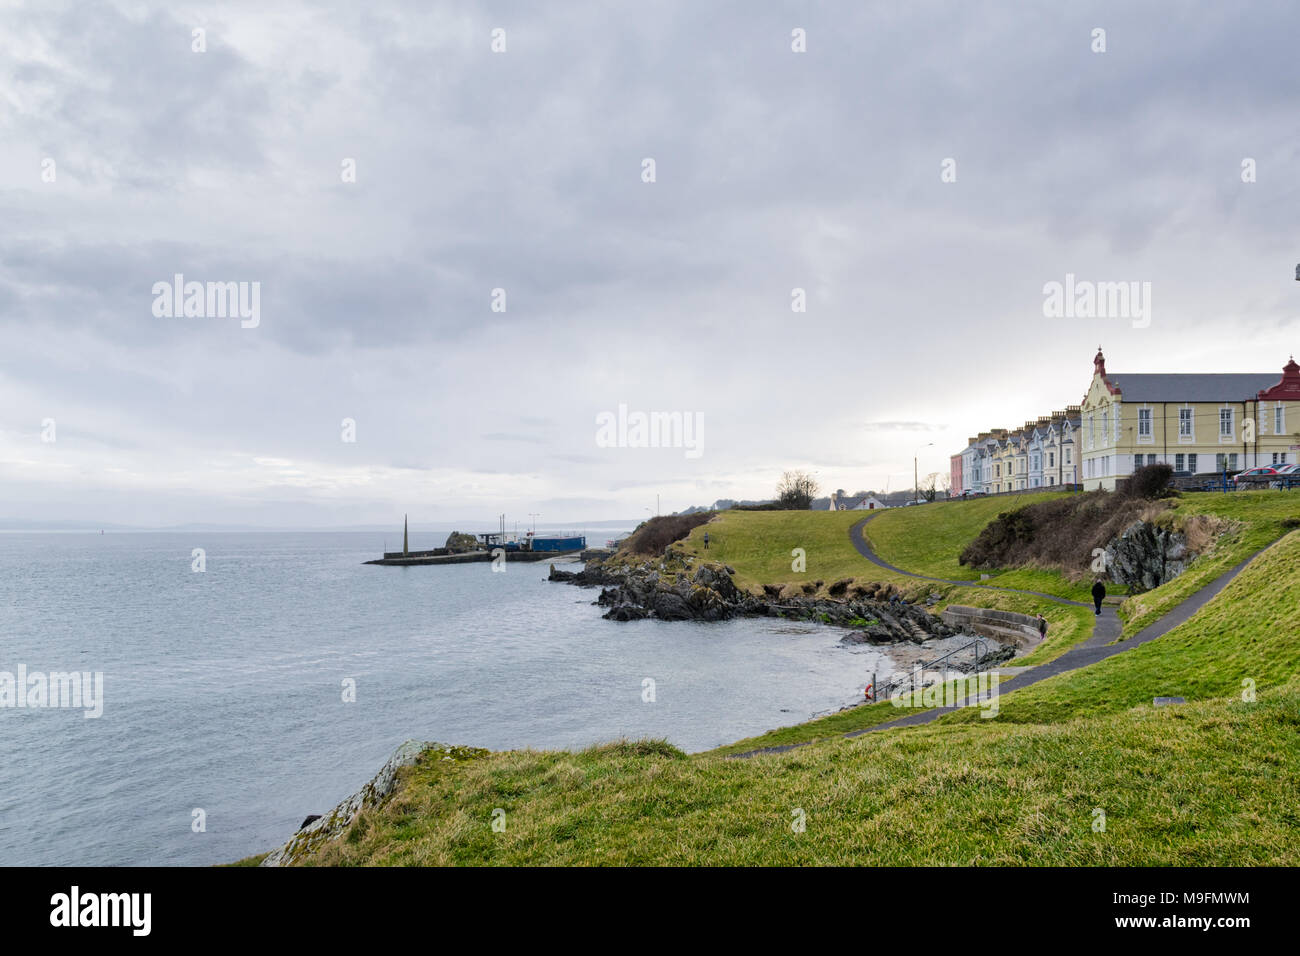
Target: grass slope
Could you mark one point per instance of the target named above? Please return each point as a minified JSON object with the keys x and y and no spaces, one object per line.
{"x":1212,"y":783}
{"x":1250,"y":631}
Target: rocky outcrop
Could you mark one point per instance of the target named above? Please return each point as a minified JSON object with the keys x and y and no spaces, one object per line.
{"x":1146,"y":555}
{"x":459,"y":542}
{"x":317,"y":830}
{"x":673,"y":589}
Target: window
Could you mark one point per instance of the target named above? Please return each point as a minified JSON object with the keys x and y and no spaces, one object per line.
{"x":1279,"y":423}
{"x":1069,"y":456}
{"x":1220,"y":461}
{"x":1144,"y":423}
{"x":1105,"y":425}
{"x":1232,"y":462}
{"x":1051,"y":459}
{"x":1225,"y":424}
{"x":1179,"y":461}
{"x":1279,"y":458}
{"x":1184,"y":423}
{"x":1191,"y":464}
{"x":1090,"y":429}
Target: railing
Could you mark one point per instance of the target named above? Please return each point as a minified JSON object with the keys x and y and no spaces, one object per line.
{"x":919,"y":668}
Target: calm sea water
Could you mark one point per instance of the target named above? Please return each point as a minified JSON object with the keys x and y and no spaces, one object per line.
{"x":224,"y":689}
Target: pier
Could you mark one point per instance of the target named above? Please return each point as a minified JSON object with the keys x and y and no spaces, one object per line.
{"x":490,"y":546}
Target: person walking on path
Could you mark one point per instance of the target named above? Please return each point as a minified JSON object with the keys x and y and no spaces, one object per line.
{"x":1042,"y":628}
{"x":1098,"y":592}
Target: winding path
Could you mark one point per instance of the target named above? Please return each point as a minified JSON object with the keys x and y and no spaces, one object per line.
{"x":1096,"y":648}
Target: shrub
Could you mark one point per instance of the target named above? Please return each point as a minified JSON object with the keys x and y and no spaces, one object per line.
{"x":1149,"y":482}
{"x":653,"y":537}
{"x":1061,"y":533}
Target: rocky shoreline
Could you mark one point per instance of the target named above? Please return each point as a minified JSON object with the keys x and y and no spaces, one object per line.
{"x":682,"y":589}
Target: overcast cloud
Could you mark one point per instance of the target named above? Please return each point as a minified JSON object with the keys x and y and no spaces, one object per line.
{"x":522,"y":171}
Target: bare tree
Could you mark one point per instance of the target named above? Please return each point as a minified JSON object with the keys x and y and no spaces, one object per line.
{"x":930,"y":485}
{"x":796,"y":491}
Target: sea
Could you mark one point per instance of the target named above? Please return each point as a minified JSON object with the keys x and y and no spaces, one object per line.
{"x":253,"y":678}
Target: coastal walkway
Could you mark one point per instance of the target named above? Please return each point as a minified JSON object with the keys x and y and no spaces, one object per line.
{"x":1096,"y":648}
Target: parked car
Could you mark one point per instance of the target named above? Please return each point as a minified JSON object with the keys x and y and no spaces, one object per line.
{"x":1288,"y":476}
{"x":1254,"y":473}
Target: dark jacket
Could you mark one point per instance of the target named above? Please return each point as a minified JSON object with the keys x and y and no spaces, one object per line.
{"x":1098,"y":591}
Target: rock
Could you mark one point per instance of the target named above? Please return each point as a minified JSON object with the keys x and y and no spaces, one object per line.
{"x":671,"y":606}
{"x":718,"y":580}
{"x":1146,"y":555}
{"x":626,"y":612}
{"x":460,"y":541}
{"x":311,"y":818}
{"x":320,"y":829}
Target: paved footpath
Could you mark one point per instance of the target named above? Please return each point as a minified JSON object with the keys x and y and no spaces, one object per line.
{"x":1096,"y":648}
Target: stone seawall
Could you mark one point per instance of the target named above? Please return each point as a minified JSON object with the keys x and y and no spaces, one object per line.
{"x":1006,"y":627}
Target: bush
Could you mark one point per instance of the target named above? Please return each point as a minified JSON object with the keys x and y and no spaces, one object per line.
{"x":1148,"y":482}
{"x":653,"y":537}
{"x":1062,"y":533}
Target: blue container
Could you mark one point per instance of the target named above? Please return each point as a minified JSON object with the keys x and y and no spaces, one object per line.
{"x":572,"y":543}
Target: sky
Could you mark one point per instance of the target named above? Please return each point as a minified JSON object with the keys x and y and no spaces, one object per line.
{"x":459,"y":248}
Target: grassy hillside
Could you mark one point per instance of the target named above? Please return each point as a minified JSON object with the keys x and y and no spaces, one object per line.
{"x":1250,"y":631}
{"x":758,"y":544}
{"x":925,"y":539}
{"x":1261,"y":517}
{"x":1212,"y":783}
{"x":928,"y":540}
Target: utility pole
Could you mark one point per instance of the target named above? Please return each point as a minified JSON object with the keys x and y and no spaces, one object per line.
{"x":916,"y":482}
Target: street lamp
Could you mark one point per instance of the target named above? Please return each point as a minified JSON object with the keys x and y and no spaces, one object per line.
{"x":916,"y":481}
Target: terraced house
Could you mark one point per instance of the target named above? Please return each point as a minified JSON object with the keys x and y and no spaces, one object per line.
{"x":1197,"y":423}
{"x":1040,"y":454}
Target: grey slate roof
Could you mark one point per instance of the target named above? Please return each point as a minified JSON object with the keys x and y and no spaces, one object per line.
{"x":1192,"y":387}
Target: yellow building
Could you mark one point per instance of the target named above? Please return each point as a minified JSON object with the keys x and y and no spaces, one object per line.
{"x":1196,"y":423}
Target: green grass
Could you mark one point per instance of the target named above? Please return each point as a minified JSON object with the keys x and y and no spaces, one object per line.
{"x":925,"y":539}
{"x":928,"y":539}
{"x":1261,"y":516}
{"x":822,"y":728}
{"x":1249,"y":631}
{"x":758,"y":544}
{"x":1208,"y":784}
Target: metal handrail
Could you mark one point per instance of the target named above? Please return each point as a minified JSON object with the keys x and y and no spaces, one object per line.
{"x":980,"y":653}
